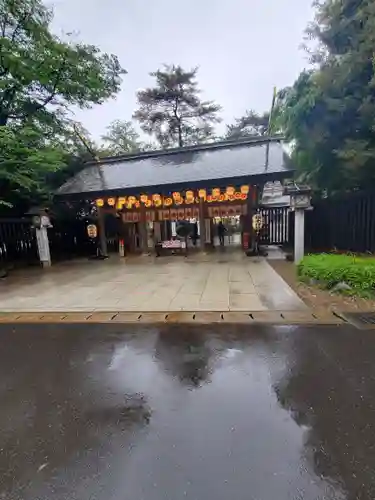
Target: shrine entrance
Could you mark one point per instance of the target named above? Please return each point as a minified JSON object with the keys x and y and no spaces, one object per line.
{"x":151,"y":219}
{"x":150,"y":192}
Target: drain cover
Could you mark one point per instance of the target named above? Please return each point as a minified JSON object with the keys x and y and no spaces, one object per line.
{"x":367,"y":319}
{"x":360,"y":320}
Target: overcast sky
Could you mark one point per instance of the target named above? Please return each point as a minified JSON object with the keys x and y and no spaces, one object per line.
{"x":242,"y":47}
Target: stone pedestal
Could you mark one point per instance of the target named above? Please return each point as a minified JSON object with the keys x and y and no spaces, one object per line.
{"x":43,"y":246}
{"x":299,"y":234}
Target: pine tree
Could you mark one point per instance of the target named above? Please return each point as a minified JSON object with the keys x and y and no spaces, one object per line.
{"x":173,"y":111}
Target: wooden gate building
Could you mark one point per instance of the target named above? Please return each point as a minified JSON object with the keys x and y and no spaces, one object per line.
{"x":154,"y":188}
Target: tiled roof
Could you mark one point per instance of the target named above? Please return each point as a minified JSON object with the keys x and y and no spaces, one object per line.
{"x":191,"y":166}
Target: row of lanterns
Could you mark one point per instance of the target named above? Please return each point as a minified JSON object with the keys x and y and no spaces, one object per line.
{"x":157,"y":200}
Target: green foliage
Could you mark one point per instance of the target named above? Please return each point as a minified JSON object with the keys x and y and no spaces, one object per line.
{"x":329,"y":111}
{"x":40,"y":77}
{"x":25,"y":160}
{"x":122,"y":138}
{"x":173,"y":111}
{"x":250,"y":125}
{"x":330,"y":269}
{"x":38,"y":69}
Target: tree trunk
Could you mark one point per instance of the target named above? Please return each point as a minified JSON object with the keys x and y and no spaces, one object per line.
{"x":180,"y":141}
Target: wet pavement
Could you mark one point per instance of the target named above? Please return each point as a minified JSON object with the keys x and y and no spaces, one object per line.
{"x":114,"y":412}
{"x":202,"y":282}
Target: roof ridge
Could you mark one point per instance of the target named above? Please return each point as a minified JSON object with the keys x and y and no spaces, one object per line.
{"x":187,"y":149}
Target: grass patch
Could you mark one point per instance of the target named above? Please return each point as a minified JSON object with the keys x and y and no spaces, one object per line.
{"x":330,"y":269}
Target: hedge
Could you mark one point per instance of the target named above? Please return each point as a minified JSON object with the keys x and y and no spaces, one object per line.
{"x":328,"y":270}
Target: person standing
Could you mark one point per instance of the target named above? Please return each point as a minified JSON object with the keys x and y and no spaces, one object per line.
{"x":221,"y":230}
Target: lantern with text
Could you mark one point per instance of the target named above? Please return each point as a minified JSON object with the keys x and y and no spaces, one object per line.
{"x":176,"y":196}
{"x":92,"y":231}
{"x":99,"y":202}
{"x":257,"y":222}
{"x":245,"y":189}
{"x":189,"y":197}
{"x":120,"y":202}
{"x":230,"y":190}
{"x":168,"y":202}
{"x":111,"y":202}
{"x":131,"y":201}
{"x":216,"y":193}
{"x":202,"y":194}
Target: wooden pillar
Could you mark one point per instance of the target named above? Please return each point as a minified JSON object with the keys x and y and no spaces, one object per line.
{"x":157,"y":232}
{"x":202,"y":225}
{"x":102,"y":235}
{"x":143,"y":230}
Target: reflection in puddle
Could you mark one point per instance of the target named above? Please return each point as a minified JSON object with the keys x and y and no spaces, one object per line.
{"x":179,"y":412}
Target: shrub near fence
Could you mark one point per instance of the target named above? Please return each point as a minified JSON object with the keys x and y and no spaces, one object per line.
{"x":328,"y":270}
{"x":345,"y":223}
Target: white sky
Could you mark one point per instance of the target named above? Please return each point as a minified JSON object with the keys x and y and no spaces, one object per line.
{"x":242,"y":47}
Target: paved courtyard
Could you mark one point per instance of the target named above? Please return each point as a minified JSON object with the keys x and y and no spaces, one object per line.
{"x":221,"y":282}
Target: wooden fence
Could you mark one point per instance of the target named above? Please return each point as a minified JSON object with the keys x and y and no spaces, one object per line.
{"x":345,"y":223}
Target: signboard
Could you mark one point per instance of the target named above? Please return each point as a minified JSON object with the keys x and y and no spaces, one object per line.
{"x":227,"y":210}
{"x":173,"y":244}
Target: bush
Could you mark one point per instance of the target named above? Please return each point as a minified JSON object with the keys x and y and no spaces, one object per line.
{"x":329,"y":270}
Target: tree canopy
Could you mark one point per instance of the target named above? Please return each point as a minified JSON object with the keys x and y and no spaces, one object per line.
{"x":173,"y":111}
{"x":329,"y":112}
{"x":249,"y":125}
{"x":41,"y":76}
{"x":122,"y":138}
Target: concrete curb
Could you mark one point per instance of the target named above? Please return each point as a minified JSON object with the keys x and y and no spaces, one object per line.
{"x":182,"y":317}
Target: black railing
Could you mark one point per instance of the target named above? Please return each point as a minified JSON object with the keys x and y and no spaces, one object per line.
{"x":17,"y":243}
{"x":275,"y":229}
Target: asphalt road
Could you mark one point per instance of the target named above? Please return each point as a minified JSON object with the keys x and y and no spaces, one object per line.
{"x":120,"y":412}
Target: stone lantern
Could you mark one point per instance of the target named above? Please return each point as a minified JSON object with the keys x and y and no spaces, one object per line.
{"x":41,"y":222}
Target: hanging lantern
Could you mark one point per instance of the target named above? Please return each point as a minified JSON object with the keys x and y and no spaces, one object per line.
{"x":168,"y":202}
{"x":111,"y":202}
{"x":158,"y":202}
{"x":176,"y":195}
{"x":202,"y":194}
{"x":245,"y":189}
{"x":99,"y":202}
{"x":189,"y":195}
{"x":179,"y":201}
{"x":144,"y":198}
{"x":120,"y":203}
{"x":230,"y":190}
{"x":216,"y":193}
{"x":131,"y":201}
{"x":148,"y":204}
{"x":156,"y":197}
